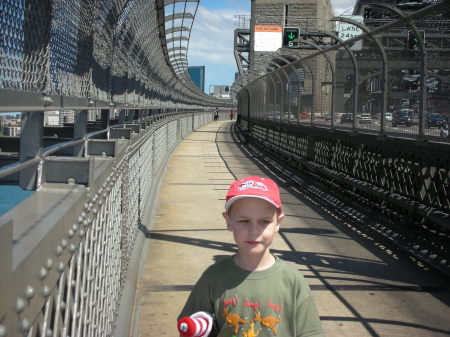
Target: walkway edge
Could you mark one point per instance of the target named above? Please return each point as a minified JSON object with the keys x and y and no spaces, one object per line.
{"x":128,"y":310}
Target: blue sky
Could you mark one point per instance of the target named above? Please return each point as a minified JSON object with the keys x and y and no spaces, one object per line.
{"x":211,"y":42}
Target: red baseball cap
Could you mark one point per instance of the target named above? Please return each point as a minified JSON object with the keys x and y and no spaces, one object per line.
{"x":253,"y":187}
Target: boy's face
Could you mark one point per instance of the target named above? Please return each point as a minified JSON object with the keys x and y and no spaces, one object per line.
{"x":254,"y":223}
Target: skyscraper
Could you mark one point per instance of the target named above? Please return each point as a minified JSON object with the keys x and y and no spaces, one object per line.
{"x":197,"y":74}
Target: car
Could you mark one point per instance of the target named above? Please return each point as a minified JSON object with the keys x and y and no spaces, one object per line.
{"x":346,"y":118}
{"x":365,"y":118}
{"x":327,"y":117}
{"x":304,"y":115}
{"x":388,"y":116}
{"x":434,"y":119}
{"x":402,"y":117}
{"x":411,"y":78}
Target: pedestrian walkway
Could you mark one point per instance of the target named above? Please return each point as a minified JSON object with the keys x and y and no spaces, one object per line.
{"x":360,"y":289}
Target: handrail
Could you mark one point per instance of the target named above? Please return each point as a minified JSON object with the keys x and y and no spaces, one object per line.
{"x":47,"y":151}
{"x":18,"y":166}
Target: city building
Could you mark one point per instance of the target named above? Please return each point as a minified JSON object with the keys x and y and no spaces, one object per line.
{"x":66,"y":117}
{"x":51,"y":118}
{"x":92,"y":115}
{"x":220,"y":91}
{"x":197,"y":74}
{"x":11,"y":131}
{"x":310,"y":17}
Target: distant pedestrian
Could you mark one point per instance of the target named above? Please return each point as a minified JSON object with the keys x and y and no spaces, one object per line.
{"x":231,"y":114}
{"x":216,"y":114}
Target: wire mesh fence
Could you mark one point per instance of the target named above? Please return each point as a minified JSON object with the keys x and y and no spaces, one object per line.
{"x":392,"y":79}
{"x":102,"y":50}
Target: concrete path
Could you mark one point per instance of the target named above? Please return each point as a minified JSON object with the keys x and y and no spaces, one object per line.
{"x":361,"y":288}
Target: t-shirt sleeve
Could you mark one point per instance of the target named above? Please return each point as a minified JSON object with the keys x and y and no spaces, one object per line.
{"x":308,"y":321}
{"x":199,"y":298}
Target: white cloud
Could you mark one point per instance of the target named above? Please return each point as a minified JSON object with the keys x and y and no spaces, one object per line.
{"x":212,"y":42}
{"x":341,"y":6}
{"x":212,"y":39}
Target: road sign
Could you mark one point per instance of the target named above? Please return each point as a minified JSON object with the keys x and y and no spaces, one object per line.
{"x":268,"y":38}
{"x":348,"y":31}
{"x":290,"y":35}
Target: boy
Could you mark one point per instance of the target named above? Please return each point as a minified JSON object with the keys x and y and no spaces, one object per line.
{"x":253,"y":293}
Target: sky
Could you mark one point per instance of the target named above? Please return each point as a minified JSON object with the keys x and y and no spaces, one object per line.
{"x":211,"y":42}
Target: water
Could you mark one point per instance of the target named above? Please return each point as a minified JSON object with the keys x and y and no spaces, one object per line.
{"x":10,"y":196}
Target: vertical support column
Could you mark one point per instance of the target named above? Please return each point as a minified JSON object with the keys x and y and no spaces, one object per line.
{"x":248,"y":134}
{"x":384,"y":96}
{"x":122,"y":116}
{"x":104,"y":119}
{"x":31,"y":145}
{"x":79,"y":130}
{"x":311,"y":147}
{"x":6,"y":281}
{"x":423,"y":89}
{"x":281,"y":86}
{"x":272,"y":98}
{"x":130,"y":115}
{"x":313,"y":95}
{"x":333,"y":106}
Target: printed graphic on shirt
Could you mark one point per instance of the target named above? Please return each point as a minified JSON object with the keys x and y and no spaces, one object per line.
{"x":233,"y":319}
{"x":251,"y":332}
{"x":234,"y":301}
{"x":250,"y":326}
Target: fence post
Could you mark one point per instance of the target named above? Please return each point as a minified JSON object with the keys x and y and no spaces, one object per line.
{"x":104,"y":119}
{"x":311,"y":147}
{"x":31,"y":145}
{"x":130,"y":115}
{"x":6,"y":238}
{"x":121,"y":116}
{"x":79,"y":130}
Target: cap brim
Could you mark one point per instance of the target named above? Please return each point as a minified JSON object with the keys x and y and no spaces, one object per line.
{"x":237,"y":197}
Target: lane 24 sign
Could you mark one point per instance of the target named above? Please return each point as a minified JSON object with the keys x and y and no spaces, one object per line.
{"x":347,"y":31}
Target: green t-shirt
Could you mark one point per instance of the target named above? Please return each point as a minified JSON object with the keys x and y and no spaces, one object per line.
{"x":273,"y":302}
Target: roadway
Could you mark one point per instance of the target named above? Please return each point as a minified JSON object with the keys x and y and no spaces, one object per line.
{"x":374,"y":127}
{"x":362,"y":285}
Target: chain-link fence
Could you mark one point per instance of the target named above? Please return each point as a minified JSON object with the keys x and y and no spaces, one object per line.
{"x":393,"y":79}
{"x":367,"y":117}
{"x":84,"y":54}
{"x":69,"y":252}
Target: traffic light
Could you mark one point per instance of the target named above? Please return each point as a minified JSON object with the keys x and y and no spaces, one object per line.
{"x":290,"y":35}
{"x":413,"y":40}
{"x":367,"y":13}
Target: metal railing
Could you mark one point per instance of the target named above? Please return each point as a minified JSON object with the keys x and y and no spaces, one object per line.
{"x":90,"y":55}
{"x":346,"y":137}
{"x":70,"y":251}
{"x":39,"y":159}
{"x":67,"y":266}
{"x":378,"y":82}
